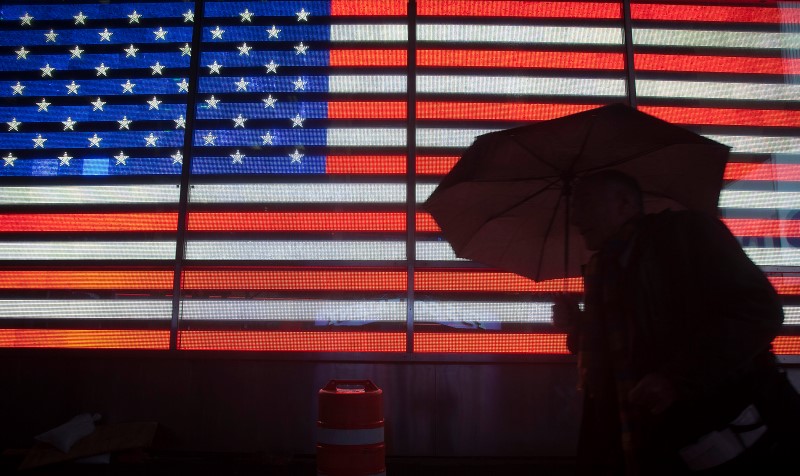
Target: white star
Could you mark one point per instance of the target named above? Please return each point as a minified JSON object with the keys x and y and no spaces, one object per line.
{"x":47,"y":70}
{"x":180,"y":123}
{"x":188,"y":16}
{"x":272,"y":67}
{"x":296,"y":156}
{"x":14,"y":124}
{"x":153,"y":103}
{"x":212,"y":103}
{"x":246,"y":16}
{"x":214,"y":67}
{"x":217,"y":33}
{"x":64,"y":160}
{"x":157,"y":68}
{"x":121,"y":158}
{"x":239,"y":121}
{"x":43,"y":105}
{"x":161,"y":34}
{"x":76,"y":52}
{"x":302,"y":15}
{"x":39,"y":141}
{"x":209,"y":138}
{"x":297,"y":121}
{"x":237,"y":157}
{"x":97,"y":104}
{"x":177,"y":158}
{"x":69,"y":124}
{"x":22,"y":53}
{"x":186,"y":50}
{"x":72,"y":88}
{"x":301,"y":49}
{"x":150,"y":140}
{"x":51,"y":36}
{"x":269,"y":102}
{"x":267,"y":138}
{"x":105,"y":35}
{"x":244,"y":49}
{"x":241,"y":85}
{"x":183,"y":86}
{"x":127,"y":87}
{"x":80,"y":18}
{"x":9,"y":160}
{"x":17,"y":89}
{"x":95,"y":141}
{"x":273,"y":32}
{"x":134,"y":17}
{"x":124,"y":123}
{"x":299,"y":84}
{"x":26,"y":19}
{"x":131,"y":51}
{"x":101,"y":70}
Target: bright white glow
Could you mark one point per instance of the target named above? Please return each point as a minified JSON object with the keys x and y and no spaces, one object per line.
{"x":326,"y":311}
{"x":759,"y":144}
{"x":455,"y":137}
{"x":89,"y":194}
{"x":774,"y":256}
{"x":366,"y":84}
{"x":367,"y":137}
{"x":366,"y":33}
{"x":791,"y":315}
{"x":281,"y":250}
{"x":520,"y":85}
{"x":88,"y":250}
{"x":423,"y":191}
{"x":519,"y":34}
{"x":718,"y":39}
{"x":122,"y":309}
{"x":435,"y":251}
{"x":717,"y":90}
{"x":758,"y":199}
{"x":298,"y":193}
{"x":462,"y":311}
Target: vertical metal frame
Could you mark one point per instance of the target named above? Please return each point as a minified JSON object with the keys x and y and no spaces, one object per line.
{"x":411,"y":170}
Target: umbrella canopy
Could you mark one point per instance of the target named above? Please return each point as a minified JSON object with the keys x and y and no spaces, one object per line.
{"x":506,"y":201}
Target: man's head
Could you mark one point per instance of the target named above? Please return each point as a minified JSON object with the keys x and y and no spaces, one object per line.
{"x":602,"y":203}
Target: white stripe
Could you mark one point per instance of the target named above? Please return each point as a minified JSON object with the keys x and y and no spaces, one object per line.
{"x":366,"y":33}
{"x":298,"y":193}
{"x":435,"y":251}
{"x":519,"y":34}
{"x":756,"y":199}
{"x":89,"y":194}
{"x":454,"y":138}
{"x":296,"y":250}
{"x":791,"y":315}
{"x":463,"y":311}
{"x":759,"y":144}
{"x":87,"y":250}
{"x":520,"y":85}
{"x":774,"y":256}
{"x":718,"y":39}
{"x":324,"y":311}
{"x":717,"y":90}
{"x":362,"y":137}
{"x":336,"y":436}
{"x":423,"y":191}
{"x":86,"y":309}
{"x":383,"y":84}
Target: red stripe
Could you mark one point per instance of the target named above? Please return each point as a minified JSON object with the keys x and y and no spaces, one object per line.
{"x":367,"y":110}
{"x":435,"y":165}
{"x":708,"y":13}
{"x":773,"y":228}
{"x":490,"y":281}
{"x":88,"y":222}
{"x":716,"y":64}
{"x":85,"y":339}
{"x":368,"y":7}
{"x":588,"y":10}
{"x":776,"y":172}
{"x":74,"y":279}
{"x":294,"y":280}
{"x":725,"y":117}
{"x":279,"y":341}
{"x":490,"y":343}
{"x":297,"y":221}
{"x":520,"y":59}
{"x":368,"y":58}
{"x":365,"y":164}
{"x":496,"y":111}
{"x":786,"y":345}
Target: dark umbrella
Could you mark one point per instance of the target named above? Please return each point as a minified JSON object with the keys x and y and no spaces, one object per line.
{"x":506,"y":201}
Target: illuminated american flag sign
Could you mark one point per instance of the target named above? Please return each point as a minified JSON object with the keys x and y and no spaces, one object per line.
{"x":246,"y":175}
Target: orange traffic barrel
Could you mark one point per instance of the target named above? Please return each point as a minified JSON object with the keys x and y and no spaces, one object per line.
{"x":350,"y":429}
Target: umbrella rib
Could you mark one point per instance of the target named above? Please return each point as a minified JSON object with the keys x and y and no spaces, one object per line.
{"x":546,"y":234}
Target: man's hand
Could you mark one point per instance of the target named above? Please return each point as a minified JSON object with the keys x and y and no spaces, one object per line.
{"x":654,"y":392}
{"x":565,"y":311}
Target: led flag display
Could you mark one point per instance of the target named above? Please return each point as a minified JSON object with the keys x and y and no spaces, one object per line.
{"x":290,"y":124}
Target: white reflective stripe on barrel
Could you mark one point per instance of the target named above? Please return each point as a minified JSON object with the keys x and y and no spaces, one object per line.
{"x":337,"y":436}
